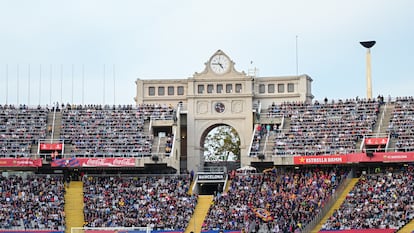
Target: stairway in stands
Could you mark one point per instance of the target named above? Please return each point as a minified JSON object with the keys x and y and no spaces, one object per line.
{"x":408,"y":228}
{"x":226,"y":189}
{"x":384,"y":118}
{"x":200,"y":213}
{"x":74,"y":205}
{"x":54,"y":122}
{"x":336,"y":205}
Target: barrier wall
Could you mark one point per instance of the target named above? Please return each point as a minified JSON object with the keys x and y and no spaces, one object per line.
{"x":361,"y":231}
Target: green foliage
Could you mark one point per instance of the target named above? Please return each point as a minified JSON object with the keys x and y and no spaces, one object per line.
{"x":222,"y":144}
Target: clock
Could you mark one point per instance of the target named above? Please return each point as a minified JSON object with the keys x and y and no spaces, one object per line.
{"x":219,"y":107}
{"x":219,"y":64}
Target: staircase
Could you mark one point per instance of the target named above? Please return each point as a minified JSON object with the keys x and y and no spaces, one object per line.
{"x":286,"y":124}
{"x":162,"y":142}
{"x":54,"y":123}
{"x":272,"y":137}
{"x":50,"y":128}
{"x":200,"y":213}
{"x":58,"y":125}
{"x":336,"y":205}
{"x":190,"y":190}
{"x":226,"y":189}
{"x":381,"y":127}
{"x":74,"y":205}
{"x":407,"y":228}
{"x":384,"y":118}
{"x":146,"y":128}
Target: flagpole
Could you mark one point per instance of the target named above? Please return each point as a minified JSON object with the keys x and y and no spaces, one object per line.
{"x":28,"y":88}
{"x":7,"y":83}
{"x":18,"y":84}
{"x":40,"y":83}
{"x":50,"y":86}
{"x":72,"y":83}
{"x":103,"y":85}
{"x":61,"y":83}
{"x":113,"y":70}
{"x":83,"y":84}
{"x":297,"y":57}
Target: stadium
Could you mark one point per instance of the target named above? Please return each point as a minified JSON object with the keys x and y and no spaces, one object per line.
{"x":301,"y":165}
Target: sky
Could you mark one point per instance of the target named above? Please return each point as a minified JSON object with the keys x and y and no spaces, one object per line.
{"x":92,"y":51}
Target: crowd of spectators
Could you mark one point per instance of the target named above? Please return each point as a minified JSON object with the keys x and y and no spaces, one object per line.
{"x":95,"y":131}
{"x":20,"y":128}
{"x":32,"y":202}
{"x":324,"y":128}
{"x":401,"y":125}
{"x":158,"y":202}
{"x":291,"y":198}
{"x":378,"y":201}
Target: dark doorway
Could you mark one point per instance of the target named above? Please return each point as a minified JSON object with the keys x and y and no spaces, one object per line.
{"x":210,"y":188}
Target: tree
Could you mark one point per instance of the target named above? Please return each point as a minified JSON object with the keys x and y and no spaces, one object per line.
{"x":222,"y":144}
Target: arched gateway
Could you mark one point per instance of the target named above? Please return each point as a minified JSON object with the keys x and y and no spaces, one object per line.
{"x":219,"y":95}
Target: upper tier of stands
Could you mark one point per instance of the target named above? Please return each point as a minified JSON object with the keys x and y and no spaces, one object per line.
{"x":293,"y":198}
{"x":96,"y":131}
{"x":323,"y":128}
{"x":401,"y":124}
{"x":20,"y":128}
{"x":32,"y":202}
{"x":159,"y":202}
{"x":92,"y":130}
{"x":310,"y":129}
{"x":378,"y":201}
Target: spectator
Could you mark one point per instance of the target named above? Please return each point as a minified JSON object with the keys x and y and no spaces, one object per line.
{"x":377,"y":201}
{"x":160,"y":202}
{"x":292,"y":198}
{"x":34,"y":202}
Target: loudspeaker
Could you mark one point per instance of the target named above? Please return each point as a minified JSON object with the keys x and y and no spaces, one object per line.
{"x":370,"y":153}
{"x":261,"y":156}
{"x":155,"y":158}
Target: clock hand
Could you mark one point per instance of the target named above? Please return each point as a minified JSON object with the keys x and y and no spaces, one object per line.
{"x":221,"y":65}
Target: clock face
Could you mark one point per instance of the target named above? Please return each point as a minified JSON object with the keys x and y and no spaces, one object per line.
{"x":219,"y":107}
{"x":220,"y":64}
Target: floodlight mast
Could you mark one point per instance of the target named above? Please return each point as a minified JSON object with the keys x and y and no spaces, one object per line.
{"x":368,"y":45}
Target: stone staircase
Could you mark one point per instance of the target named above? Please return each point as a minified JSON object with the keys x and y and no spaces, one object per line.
{"x":200,"y":213}
{"x":53,"y":129}
{"x":271,"y":139}
{"x":380,"y":128}
{"x":54,"y":125}
{"x":385,"y":116}
{"x":158,"y":144}
{"x":286,"y":124}
{"x":384,"y":119}
{"x":74,"y":205}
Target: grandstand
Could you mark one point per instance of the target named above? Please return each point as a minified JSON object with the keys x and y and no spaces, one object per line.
{"x":305,"y":165}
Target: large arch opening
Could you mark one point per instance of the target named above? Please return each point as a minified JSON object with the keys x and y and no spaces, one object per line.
{"x":221,"y":147}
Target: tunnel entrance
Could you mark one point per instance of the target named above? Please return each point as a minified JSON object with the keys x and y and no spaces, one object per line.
{"x":210,"y":188}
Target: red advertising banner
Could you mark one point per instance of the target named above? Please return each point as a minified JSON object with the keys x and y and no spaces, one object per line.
{"x":51,"y":146}
{"x":382,"y":157}
{"x":20,"y":162}
{"x":30,"y":231}
{"x":396,"y":156}
{"x":360,"y":231}
{"x":94,"y":162}
{"x":375,"y":141}
{"x":322,"y":159}
{"x":378,"y":157}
